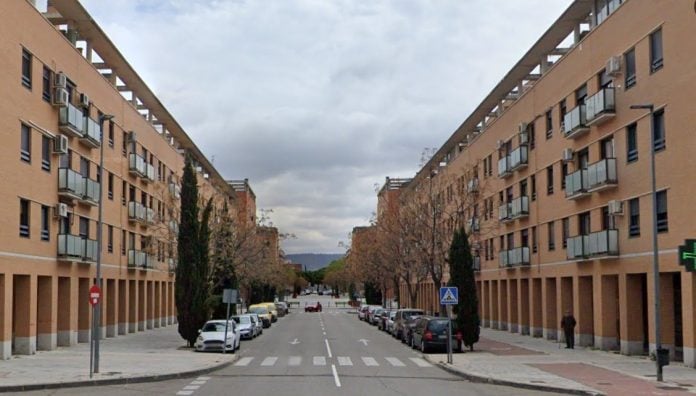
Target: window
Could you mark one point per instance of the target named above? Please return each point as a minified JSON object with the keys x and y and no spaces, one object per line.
{"x":631,"y":143}
{"x":549,"y":180}
{"x":46,"y":84}
{"x":24,"y":218}
{"x":564,"y":172}
{"x":533,"y":183}
{"x":552,"y":236}
{"x":110,"y":182}
{"x":110,"y":239}
{"x":111,"y":134}
{"x":523,"y":188}
{"x":26,"y":68}
{"x":658,"y":137}
{"x":581,"y":95}
{"x":633,"y":217}
{"x":630,"y":62}
{"x":607,"y":220}
{"x":532,"y":138}
{"x":124,"y":188}
{"x":549,"y":125}
{"x":84,"y":166}
{"x":662,"y":224}
{"x":46,"y":153}
{"x":561,"y":118}
{"x":25,"y":150}
{"x":534,"y":239}
{"x":566,"y":231}
{"x":606,"y":148}
{"x":584,"y":225}
{"x":123,"y":242}
{"x":524,"y":237}
{"x":65,"y":160}
{"x":605,"y":80}
{"x":124,"y":144}
{"x":656,"y":61}
{"x":84,"y":227}
{"x":45,"y":223}
{"x":604,"y":8}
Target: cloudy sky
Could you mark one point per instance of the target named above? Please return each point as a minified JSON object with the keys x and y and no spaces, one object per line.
{"x":316,"y":101}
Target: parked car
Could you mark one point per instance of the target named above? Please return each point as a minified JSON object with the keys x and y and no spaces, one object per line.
{"x":263,"y":313}
{"x":382,"y":320}
{"x":390,"y":322}
{"x":211,"y":337}
{"x":375,"y":315}
{"x":407,"y":330}
{"x":362,"y":312}
{"x":258,"y":323}
{"x":247,"y":328}
{"x":272,"y":309}
{"x":313,"y":307}
{"x":282,"y":307}
{"x":431,"y":333}
{"x":401,"y":317}
{"x":370,"y":312}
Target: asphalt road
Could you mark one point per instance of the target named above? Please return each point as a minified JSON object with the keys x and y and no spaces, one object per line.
{"x":328,"y":353}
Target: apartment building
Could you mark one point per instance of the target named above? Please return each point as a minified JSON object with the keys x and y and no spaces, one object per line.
{"x":69,"y":95}
{"x":551,"y":176}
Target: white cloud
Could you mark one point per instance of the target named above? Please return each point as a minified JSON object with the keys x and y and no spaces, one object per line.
{"x":316,"y":101}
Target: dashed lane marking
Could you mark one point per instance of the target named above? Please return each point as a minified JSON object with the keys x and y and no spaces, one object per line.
{"x":319,"y":361}
{"x":294,"y":360}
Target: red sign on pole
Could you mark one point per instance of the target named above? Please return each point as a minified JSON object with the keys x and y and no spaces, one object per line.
{"x":94,"y":295}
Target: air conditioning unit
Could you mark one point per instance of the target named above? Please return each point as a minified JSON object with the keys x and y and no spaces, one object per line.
{"x":84,"y":101}
{"x":60,"y":144}
{"x":60,"y":97}
{"x":61,"y":210}
{"x":60,"y":80}
{"x":614,"y":65}
{"x":522,"y":127}
{"x":500,"y":144}
{"x":567,"y":155}
{"x":132,"y":137}
{"x":615,"y":207}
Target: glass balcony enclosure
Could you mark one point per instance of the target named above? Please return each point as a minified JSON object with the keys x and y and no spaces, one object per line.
{"x":594,"y":245}
{"x":137,"y":212}
{"x":575,"y":122}
{"x":514,"y":257}
{"x":515,"y":209}
{"x":71,"y":120}
{"x":504,"y":167}
{"x":518,"y":158}
{"x":136,"y":165}
{"x":70,"y":184}
{"x":598,"y":176}
{"x":75,"y":248}
{"x":139,"y":259}
{"x":600,"y":107}
{"x":91,"y":135}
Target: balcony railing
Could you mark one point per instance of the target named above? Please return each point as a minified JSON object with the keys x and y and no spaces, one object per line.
{"x":136,"y":165}
{"x":70,"y":184}
{"x":139,"y":259}
{"x":472,"y":186}
{"x":519,"y":207}
{"x":598,"y":176}
{"x":594,"y":245}
{"x":91,"y":134}
{"x":601,"y":107}
{"x":473,"y":225}
{"x":75,"y":248}
{"x":150,"y":174}
{"x":518,"y":158}
{"x":504,"y":212}
{"x":149,"y":216}
{"x":476,"y":265}
{"x":92,"y":191}
{"x":514,"y":257}
{"x":171,"y":264}
{"x":137,"y":212}
{"x":174,"y":227}
{"x":71,"y":121}
{"x":174,"y":190}
{"x":504,"y":167}
{"x":574,"y":122}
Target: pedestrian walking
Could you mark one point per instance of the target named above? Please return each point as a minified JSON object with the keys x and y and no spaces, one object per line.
{"x":568,"y":325}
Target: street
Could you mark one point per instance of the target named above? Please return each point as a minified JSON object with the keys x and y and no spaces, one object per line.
{"x":315,"y":353}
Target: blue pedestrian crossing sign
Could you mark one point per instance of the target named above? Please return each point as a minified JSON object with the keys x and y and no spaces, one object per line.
{"x":449,"y":295}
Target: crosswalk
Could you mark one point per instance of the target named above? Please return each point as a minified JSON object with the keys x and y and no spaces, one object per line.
{"x":296,"y":361}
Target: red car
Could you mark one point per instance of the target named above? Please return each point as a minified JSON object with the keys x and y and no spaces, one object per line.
{"x":313,"y":308}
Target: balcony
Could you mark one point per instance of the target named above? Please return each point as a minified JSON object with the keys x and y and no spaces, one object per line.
{"x":140,"y":259}
{"x":504,"y":212}
{"x":74,"y":248}
{"x":71,"y":121}
{"x":516,"y":257}
{"x":504,"y":167}
{"x":574,"y":122}
{"x":598,"y":176}
{"x":174,"y":227}
{"x":91,"y":134}
{"x":518,"y":158}
{"x":472,"y":186}
{"x":71,"y":184}
{"x":596,"y":245}
{"x":601,"y":107}
{"x":137,"y":212}
{"x":150,"y":174}
{"x":149,"y":216}
{"x":136,"y":165}
{"x":519,"y":208}
{"x":171,"y":263}
{"x":174,"y":190}
{"x":476,"y":264}
{"x":91,"y":192}
{"x":473,"y":225}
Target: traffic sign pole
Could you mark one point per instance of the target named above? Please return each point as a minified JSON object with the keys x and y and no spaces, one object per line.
{"x":449,"y":296}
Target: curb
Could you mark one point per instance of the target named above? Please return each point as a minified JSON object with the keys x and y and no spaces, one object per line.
{"x":116,"y":381}
{"x":496,"y":381}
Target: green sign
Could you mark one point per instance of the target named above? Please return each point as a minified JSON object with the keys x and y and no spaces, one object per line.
{"x":687,"y":255}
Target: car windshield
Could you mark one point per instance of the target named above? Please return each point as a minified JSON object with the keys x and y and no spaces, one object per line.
{"x":408,"y":314}
{"x":258,"y":310}
{"x":220,"y":327}
{"x":242,"y":319}
{"x":438,"y":325}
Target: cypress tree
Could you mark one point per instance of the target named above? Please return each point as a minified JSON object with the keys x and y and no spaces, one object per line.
{"x":462,"y":276}
{"x":190,"y":300}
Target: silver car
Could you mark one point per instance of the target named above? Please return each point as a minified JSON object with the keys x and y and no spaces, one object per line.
{"x":257,"y":322}
{"x":247,"y":328}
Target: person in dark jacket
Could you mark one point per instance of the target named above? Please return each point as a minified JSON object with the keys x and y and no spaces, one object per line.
{"x":568,"y":325}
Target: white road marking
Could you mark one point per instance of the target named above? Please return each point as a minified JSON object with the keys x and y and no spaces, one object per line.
{"x":203,"y":378}
{"x":328,"y":348}
{"x":344,"y":361}
{"x":269,"y":361}
{"x":244,"y":361}
{"x":420,"y":362}
{"x":197,"y":382}
{"x":191,"y":387}
{"x":294,"y":360}
{"x":324,"y":333}
{"x":395,"y":362}
{"x":184,"y":393}
{"x":335,"y":374}
{"x":319,"y":361}
{"x":369,"y":361}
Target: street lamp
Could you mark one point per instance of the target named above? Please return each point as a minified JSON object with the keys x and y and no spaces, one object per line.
{"x":96,"y":319}
{"x":656,"y":263}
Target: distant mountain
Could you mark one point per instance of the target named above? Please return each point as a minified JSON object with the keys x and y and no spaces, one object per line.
{"x":313,"y":261}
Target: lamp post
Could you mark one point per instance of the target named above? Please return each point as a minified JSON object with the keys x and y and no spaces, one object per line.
{"x":96,"y":320}
{"x":656,"y":263}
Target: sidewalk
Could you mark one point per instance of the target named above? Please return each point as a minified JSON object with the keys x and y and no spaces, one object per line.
{"x":522,"y":361}
{"x":151,"y":355}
